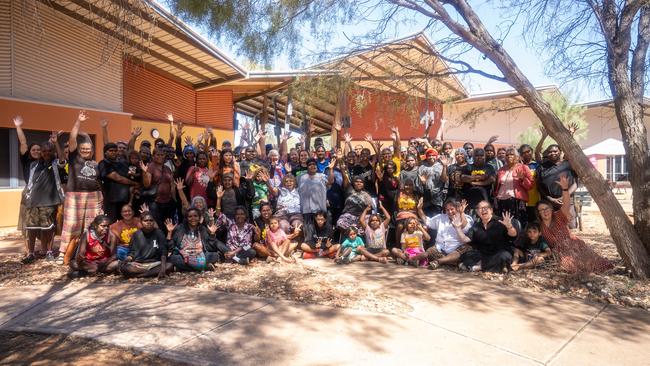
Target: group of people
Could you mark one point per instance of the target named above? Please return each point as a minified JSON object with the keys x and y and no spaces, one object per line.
{"x":184,"y":205}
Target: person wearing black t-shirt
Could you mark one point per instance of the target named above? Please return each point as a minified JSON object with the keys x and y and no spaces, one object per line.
{"x":83,"y":197}
{"x":28,"y":154}
{"x":478,"y":179}
{"x":549,"y":173}
{"x":147,"y":252}
{"x":114,"y":173}
{"x":42,"y":196}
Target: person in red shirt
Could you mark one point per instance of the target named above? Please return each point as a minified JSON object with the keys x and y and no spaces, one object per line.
{"x":96,"y":253}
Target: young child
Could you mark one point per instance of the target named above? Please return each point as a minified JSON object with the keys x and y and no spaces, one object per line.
{"x":347,"y":253}
{"x":278,"y":245}
{"x":319,"y":238}
{"x":531,"y":250}
{"x":375,"y":233}
{"x":412,"y":241}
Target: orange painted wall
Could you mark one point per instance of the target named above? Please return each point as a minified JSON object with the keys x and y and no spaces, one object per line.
{"x":384,"y":110}
{"x":149,"y":95}
{"x":51,"y":117}
{"x":214,"y":108}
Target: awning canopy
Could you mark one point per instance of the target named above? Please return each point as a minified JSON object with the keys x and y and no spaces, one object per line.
{"x":608,"y":147}
{"x":155,"y":39}
{"x":406,"y":66}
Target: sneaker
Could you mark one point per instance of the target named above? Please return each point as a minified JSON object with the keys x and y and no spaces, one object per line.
{"x":475,"y":268}
{"x":434,"y":265}
{"x":49,"y":256}
{"x":60,"y":259}
{"x":30,"y":258}
{"x":463,"y":267}
{"x":236,"y":259}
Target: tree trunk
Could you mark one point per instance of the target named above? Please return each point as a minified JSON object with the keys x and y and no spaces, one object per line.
{"x":627,"y":240}
{"x":629,"y":113}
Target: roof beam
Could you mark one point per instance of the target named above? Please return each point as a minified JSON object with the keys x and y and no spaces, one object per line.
{"x":128,"y":42}
{"x":264,"y":92}
{"x":103,"y":14}
{"x":315,"y":108}
{"x":375,"y":64}
{"x":282,"y":114}
{"x":427,"y":74}
{"x":396,"y":90}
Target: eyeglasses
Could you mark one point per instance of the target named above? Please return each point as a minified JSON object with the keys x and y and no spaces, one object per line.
{"x":542,"y":210}
{"x":484,"y":208}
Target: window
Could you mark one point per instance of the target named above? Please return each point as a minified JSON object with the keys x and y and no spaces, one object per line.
{"x":11,"y":173}
{"x":616,"y":168}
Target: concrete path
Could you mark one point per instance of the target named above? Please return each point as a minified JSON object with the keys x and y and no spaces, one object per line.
{"x":452,"y":319}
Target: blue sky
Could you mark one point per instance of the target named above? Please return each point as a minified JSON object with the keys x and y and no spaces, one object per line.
{"x":527,"y":57}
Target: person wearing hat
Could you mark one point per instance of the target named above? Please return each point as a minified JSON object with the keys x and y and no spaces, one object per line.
{"x":114,"y":174}
{"x":312,"y":188}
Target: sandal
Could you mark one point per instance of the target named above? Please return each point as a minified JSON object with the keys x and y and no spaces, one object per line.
{"x":60,"y":259}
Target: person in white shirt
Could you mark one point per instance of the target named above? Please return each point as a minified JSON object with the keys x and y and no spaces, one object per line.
{"x":448,"y":247}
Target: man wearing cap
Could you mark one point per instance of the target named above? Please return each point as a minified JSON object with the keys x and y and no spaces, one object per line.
{"x":113,"y":173}
{"x":312,"y":188}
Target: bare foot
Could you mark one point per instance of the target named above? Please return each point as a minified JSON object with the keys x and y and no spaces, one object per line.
{"x":383,"y":260}
{"x":515,"y":267}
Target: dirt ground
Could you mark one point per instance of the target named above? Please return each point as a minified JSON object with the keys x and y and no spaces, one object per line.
{"x":311,"y":284}
{"x":21,"y":348}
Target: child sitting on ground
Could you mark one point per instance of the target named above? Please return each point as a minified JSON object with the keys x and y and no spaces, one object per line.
{"x":375,"y":232}
{"x":348,"y":251}
{"x":319,"y":238}
{"x":532,"y":250}
{"x":412,"y":241}
{"x":278,"y":245}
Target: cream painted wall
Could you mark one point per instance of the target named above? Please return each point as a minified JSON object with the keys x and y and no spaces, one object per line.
{"x":509,"y":125}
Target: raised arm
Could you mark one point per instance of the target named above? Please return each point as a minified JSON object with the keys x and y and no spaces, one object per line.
{"x":170,"y":118}
{"x":387,"y":217}
{"x":283,"y":146}
{"x":331,"y":177}
{"x":347,"y":147}
{"x":362,"y":218}
{"x":397,"y":144}
{"x":54,"y":139}
{"x":74,"y":132}
{"x":18,"y":122}
{"x":103,"y":123}
{"x":134,"y":136}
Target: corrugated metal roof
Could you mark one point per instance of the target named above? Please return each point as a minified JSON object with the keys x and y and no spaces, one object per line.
{"x":149,"y":33}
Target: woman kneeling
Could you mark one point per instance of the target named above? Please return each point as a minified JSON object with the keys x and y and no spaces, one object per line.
{"x":95,"y":252}
{"x":147,"y":256}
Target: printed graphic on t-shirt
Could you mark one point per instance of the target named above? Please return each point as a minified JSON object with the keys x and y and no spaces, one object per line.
{"x":412,"y":242}
{"x":88,"y":171}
